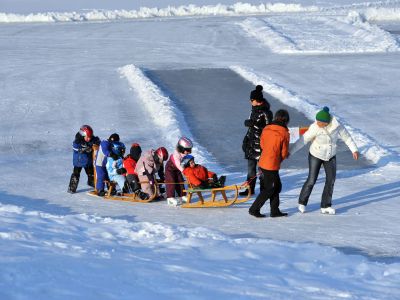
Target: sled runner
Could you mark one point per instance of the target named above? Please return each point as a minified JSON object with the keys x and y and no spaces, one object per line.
{"x":213,"y":201}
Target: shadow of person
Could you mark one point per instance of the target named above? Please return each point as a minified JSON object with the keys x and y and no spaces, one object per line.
{"x":371,"y":195}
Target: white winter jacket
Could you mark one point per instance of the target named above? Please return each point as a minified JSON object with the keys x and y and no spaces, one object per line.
{"x":324,"y":140}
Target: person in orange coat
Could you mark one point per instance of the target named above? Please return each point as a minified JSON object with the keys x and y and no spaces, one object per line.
{"x":274,"y":143}
{"x":198,"y":176}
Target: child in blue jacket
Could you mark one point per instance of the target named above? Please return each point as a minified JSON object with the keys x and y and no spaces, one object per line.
{"x":115,"y":166}
{"x":101,"y":160}
{"x":82,"y":157}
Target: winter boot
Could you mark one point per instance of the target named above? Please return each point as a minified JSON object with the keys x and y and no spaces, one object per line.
{"x":278,"y":214}
{"x":174,"y":201}
{"x":101,"y":193}
{"x":328,"y":210}
{"x":141,"y":195}
{"x":222,"y":180}
{"x":256,"y":214}
{"x":73,"y":183}
{"x":90,"y":180}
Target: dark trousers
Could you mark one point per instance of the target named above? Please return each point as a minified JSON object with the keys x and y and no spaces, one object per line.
{"x":172,"y":177}
{"x":252,"y":173}
{"x":272,"y":186}
{"x":89,"y":171}
{"x":314,"y":165}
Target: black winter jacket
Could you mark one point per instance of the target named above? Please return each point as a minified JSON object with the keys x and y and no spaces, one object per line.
{"x":259,"y":118}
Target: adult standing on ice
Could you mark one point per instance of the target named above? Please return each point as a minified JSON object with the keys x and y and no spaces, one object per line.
{"x":260,"y":116}
{"x":323,"y":135}
{"x":275,"y":148}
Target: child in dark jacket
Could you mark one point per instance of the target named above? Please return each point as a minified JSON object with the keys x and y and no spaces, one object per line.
{"x":83,"y":157}
{"x":132,"y":179}
{"x":198,"y":176}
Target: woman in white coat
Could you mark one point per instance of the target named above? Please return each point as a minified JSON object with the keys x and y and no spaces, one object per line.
{"x":323,"y":135}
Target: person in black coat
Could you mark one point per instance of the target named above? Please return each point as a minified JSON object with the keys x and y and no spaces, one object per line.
{"x":260,"y":116}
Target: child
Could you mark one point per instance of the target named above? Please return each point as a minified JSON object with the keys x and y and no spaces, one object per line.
{"x":115,"y":169}
{"x":274,"y":143}
{"x":260,"y":117}
{"x":148,"y":165}
{"x":132,"y":179}
{"x":101,"y":161}
{"x":82,"y":156}
{"x":198,"y":176}
{"x":173,"y":171}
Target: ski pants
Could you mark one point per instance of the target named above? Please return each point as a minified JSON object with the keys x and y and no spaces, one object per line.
{"x":314,"y":166}
{"x":101,"y":173}
{"x":147,"y":183}
{"x":173,"y":176}
{"x":120,"y":180}
{"x":272,"y":186}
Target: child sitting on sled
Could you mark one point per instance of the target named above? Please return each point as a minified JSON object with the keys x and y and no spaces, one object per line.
{"x":132,"y":179}
{"x":198,"y":176}
{"x":115,"y":167}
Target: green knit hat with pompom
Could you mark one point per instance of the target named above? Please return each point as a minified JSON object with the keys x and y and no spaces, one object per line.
{"x":323,"y":115}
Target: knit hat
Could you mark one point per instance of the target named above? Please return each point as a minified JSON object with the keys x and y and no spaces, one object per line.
{"x":135,"y":151}
{"x":323,"y":115}
{"x":114,"y":137}
{"x":257,"y":93}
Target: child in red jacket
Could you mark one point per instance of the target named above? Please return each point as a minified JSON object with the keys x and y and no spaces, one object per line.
{"x":130,"y":162}
{"x":198,"y":176}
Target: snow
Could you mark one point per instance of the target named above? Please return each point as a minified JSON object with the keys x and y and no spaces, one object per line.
{"x":57,"y":75}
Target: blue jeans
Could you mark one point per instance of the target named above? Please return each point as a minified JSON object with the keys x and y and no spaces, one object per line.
{"x":314,"y":165}
{"x":251,"y":173}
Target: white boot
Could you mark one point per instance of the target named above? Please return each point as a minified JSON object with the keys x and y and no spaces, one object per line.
{"x":174,"y":201}
{"x":184,"y":199}
{"x":302,"y":208}
{"x":328,"y":210}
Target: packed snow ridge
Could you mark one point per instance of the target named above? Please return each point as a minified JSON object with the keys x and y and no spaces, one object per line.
{"x":373,"y":11}
{"x":292,"y":34}
{"x":170,"y":11}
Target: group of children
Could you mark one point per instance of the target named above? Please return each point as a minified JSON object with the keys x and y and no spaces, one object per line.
{"x":137,"y":172}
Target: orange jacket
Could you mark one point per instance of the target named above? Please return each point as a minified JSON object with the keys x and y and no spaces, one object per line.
{"x":197,"y":174}
{"x":274,"y":143}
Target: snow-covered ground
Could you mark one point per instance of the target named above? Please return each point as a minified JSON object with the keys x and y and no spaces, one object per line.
{"x":71,"y":63}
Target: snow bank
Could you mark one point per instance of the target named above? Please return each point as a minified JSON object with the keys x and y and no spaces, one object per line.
{"x":165,"y":115}
{"x":296,"y":34}
{"x":85,"y":256}
{"x":170,"y":11}
{"x":381,"y":14}
{"x":369,"y":148}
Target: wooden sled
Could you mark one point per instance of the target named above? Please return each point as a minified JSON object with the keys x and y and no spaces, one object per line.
{"x":213,"y":201}
{"x":124,"y":197}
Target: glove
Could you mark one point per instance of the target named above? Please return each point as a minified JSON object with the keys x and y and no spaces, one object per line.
{"x":248,"y":123}
{"x":121,"y":171}
{"x":215,"y":178}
